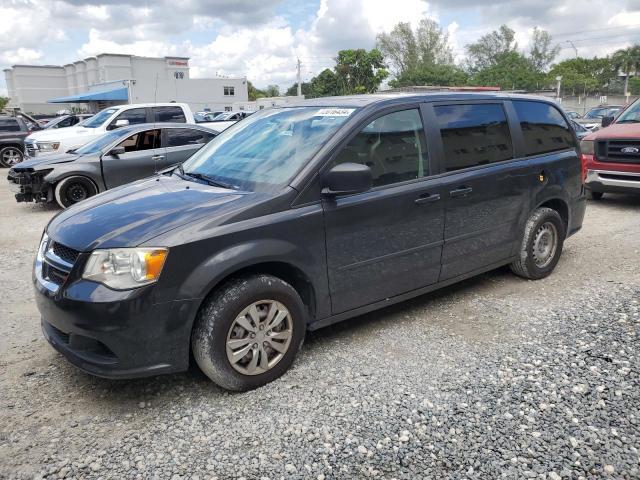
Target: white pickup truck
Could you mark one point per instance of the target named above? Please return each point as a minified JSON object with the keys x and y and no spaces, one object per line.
{"x":61,"y":140}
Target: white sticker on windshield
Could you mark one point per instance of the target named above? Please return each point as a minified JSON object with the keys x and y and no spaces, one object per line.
{"x":335,"y":112}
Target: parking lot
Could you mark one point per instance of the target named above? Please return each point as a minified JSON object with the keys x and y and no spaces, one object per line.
{"x":494,"y":377}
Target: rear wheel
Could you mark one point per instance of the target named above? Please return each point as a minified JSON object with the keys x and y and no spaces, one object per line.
{"x":249,"y":332}
{"x":72,"y":190}
{"x":541,"y":245}
{"x":10,"y":156}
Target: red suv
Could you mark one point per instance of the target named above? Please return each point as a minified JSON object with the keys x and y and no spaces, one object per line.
{"x":611,"y":156}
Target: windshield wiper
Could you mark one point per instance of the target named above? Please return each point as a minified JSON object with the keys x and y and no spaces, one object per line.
{"x":206,"y":178}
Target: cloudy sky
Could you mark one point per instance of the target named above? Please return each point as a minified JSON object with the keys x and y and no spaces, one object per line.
{"x":262,"y":38}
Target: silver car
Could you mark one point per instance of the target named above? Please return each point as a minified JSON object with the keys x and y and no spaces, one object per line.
{"x":118,"y":157}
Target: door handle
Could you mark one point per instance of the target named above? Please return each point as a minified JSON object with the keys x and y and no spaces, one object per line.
{"x":426,"y":198}
{"x":157,"y":157}
{"x":461,"y":192}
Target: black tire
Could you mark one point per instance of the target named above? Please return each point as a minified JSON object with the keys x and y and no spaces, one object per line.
{"x":218,"y":314}
{"x":72,"y":190}
{"x":595,"y":195}
{"x":10,"y":156}
{"x":541,"y":221}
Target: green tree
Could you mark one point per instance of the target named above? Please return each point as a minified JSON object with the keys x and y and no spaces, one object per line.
{"x":634,"y":86}
{"x":407,"y":50}
{"x":627,"y":60}
{"x":509,"y":70}
{"x":584,"y":75}
{"x":254,"y":93}
{"x":272,"y":91}
{"x":449,"y":75}
{"x":491,"y":48}
{"x":3,"y":102}
{"x":542,"y":52}
{"x":359,"y":71}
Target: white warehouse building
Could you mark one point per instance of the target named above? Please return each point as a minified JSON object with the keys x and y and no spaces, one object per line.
{"x":112,"y":79}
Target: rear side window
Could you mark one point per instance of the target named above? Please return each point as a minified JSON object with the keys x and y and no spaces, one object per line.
{"x":393,"y":146}
{"x":168,"y":114}
{"x":543,"y":127}
{"x":9,"y":125}
{"x":473,"y":135}
{"x":177,"y":137}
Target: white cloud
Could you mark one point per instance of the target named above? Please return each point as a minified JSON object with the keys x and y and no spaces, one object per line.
{"x":20,"y":55}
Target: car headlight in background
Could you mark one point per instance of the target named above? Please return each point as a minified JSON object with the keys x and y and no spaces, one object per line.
{"x":48,"y":146}
{"x":125,"y":268}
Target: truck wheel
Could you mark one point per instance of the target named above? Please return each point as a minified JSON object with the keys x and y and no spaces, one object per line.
{"x":541,"y":245}
{"x":248,"y":332}
{"x":10,"y":156}
{"x":72,"y":190}
{"x":595,"y":195}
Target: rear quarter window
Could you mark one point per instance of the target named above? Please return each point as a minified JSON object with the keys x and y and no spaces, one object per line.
{"x":543,"y":127}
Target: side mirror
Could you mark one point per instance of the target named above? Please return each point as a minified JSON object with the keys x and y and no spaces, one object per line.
{"x":347,"y":178}
{"x":116,"y":151}
{"x":123,"y":122}
{"x":606,"y":121}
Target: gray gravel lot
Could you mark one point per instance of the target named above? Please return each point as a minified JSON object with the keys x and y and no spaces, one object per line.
{"x":494,"y":378}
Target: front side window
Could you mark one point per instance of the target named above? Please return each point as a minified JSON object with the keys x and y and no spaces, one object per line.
{"x":146,"y":140}
{"x":134,"y":116}
{"x":9,"y":125}
{"x":168,"y":114}
{"x":631,"y":114}
{"x":265,"y":151}
{"x":472,"y":135}
{"x":543,"y":127}
{"x":99,"y":118}
{"x":178,"y":137}
{"x":392,"y":146}
{"x":67,"y":122}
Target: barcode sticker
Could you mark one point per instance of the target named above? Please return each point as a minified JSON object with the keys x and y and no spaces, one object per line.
{"x":335,"y":112}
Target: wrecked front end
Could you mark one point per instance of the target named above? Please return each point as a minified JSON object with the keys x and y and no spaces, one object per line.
{"x":29,"y":185}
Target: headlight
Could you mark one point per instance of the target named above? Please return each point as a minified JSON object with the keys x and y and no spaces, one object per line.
{"x":125,"y":268}
{"x":48,"y":146}
{"x":586,"y":147}
{"x":44,"y":243}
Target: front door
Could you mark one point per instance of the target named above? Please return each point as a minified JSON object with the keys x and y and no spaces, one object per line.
{"x":388,"y":240}
{"x":143,"y":157}
{"x":487,"y":190}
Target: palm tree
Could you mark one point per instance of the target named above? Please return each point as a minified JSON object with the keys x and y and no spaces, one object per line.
{"x":627,"y":60}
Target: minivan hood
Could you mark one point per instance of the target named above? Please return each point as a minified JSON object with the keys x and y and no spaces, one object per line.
{"x":38,"y":163}
{"x":135,"y":213}
{"x":617,"y":130}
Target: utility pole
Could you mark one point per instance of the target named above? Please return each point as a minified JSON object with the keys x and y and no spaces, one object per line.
{"x":574,"y":47}
{"x":559,"y":80}
{"x":299,"y":80}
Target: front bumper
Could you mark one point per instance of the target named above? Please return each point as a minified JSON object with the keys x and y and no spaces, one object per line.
{"x":114,"y":334}
{"x":610,"y":181}
{"x":29,"y":186}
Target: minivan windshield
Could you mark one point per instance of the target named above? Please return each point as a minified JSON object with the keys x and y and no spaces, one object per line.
{"x":99,"y":118}
{"x":100,"y":143}
{"x":631,"y":114}
{"x":265,"y":151}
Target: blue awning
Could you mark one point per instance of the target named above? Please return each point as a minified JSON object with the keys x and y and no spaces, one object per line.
{"x":118,"y":94}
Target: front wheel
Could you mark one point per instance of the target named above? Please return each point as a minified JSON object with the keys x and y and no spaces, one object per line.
{"x":541,"y":245}
{"x":10,"y":156}
{"x":249,"y":332}
{"x":72,"y":190}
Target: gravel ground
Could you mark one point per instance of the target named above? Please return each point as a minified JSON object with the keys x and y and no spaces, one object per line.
{"x":496,"y":377}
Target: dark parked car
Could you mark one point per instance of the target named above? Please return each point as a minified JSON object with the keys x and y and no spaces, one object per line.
{"x":118,"y":157}
{"x":64,"y":121}
{"x":581,"y":131}
{"x":299,"y":217}
{"x":13,"y":131}
{"x":593,"y":118}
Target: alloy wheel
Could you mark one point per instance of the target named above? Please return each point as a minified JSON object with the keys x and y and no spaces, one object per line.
{"x":259,"y":337}
{"x":11,"y":156}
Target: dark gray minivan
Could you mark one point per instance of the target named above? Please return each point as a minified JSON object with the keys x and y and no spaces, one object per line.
{"x":299,"y":217}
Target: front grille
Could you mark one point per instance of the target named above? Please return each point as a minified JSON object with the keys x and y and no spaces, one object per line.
{"x":55,"y":275}
{"x":67,"y":254}
{"x":619,"y":151}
